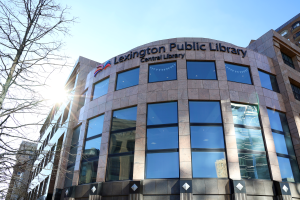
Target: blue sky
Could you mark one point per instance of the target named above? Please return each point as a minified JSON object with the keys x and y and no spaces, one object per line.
{"x":105,"y":29}
{"x":109,"y":28}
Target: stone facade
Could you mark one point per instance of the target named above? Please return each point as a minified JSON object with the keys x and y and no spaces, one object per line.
{"x":262,"y":54}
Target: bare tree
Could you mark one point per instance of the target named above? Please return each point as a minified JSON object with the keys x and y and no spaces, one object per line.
{"x":30,"y":32}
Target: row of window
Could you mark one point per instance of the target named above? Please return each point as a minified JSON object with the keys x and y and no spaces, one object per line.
{"x":39,"y":190}
{"x":196,"y":70}
{"x":207,"y":143}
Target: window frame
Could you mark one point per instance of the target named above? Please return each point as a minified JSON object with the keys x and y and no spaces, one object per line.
{"x":149,"y":65}
{"x":243,"y":151}
{"x":287,"y":62}
{"x":214,"y":61}
{"x":241,"y":65}
{"x":109,"y":155}
{"x":117,"y":75}
{"x":208,"y":149}
{"x":154,"y":151}
{"x":259,"y":70}
{"x":284,"y":134}
{"x":94,"y":84}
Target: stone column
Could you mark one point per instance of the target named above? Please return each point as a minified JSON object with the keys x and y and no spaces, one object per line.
{"x":230,"y":141}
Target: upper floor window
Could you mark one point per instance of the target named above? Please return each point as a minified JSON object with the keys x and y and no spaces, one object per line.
{"x":287,"y":60}
{"x":283,"y":33}
{"x":100,"y":88}
{"x":295,"y":25}
{"x":82,"y":100}
{"x":91,"y":151}
{"x":250,"y":144}
{"x":296,"y":91}
{"x":128,"y":79}
{"x":237,"y":73}
{"x":162,"y":159}
{"x":121,"y":145}
{"x":201,"y":70}
{"x":268,"y":81}
{"x":207,"y":140}
{"x":162,"y":72}
{"x":72,"y":157}
{"x":284,"y":147}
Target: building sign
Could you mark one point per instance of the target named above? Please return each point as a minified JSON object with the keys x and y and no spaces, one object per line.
{"x":195,"y":46}
{"x":102,"y":67}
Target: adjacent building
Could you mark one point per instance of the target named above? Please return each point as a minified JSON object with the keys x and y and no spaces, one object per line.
{"x":19,"y":182}
{"x":291,"y":30}
{"x":182,"y":118}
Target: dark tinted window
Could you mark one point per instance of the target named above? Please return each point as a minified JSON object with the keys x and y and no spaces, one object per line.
{"x":121,"y":145}
{"x":237,"y":73}
{"x":88,"y":172}
{"x":82,"y":100}
{"x":201,"y":70}
{"x":75,"y":136}
{"x":283,"y":144}
{"x":205,"y":112}
{"x":119,"y":168}
{"x":287,"y":60}
{"x":122,"y":142}
{"x":253,"y":166}
{"x":268,"y":81}
{"x":162,"y":165}
{"x":100,"y":88}
{"x":128,"y":79}
{"x":162,"y":72}
{"x":95,"y":126}
{"x":296,"y":92}
{"x":162,"y":113}
{"x":209,"y":165}
{"x":123,"y":119}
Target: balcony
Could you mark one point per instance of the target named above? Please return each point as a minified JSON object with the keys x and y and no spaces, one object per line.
{"x":295,"y":27}
{"x":297,"y":36}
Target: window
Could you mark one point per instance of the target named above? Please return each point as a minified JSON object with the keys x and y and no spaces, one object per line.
{"x":207,"y":140}
{"x":162,"y":141}
{"x":66,"y":113}
{"x":295,"y":25}
{"x":121,"y":145}
{"x":162,"y":72}
{"x":72,"y":157}
{"x":283,"y":33}
{"x":128,"y":79}
{"x":296,"y":91}
{"x":100,"y":88}
{"x":287,"y":60}
{"x":250,"y":144}
{"x":284,"y":148}
{"x":201,"y":70}
{"x":268,"y":81}
{"x":237,"y":73}
{"x":82,"y":100}
{"x":91,"y":151}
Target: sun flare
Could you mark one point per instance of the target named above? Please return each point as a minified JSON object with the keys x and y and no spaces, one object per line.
{"x":57,"y":95}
